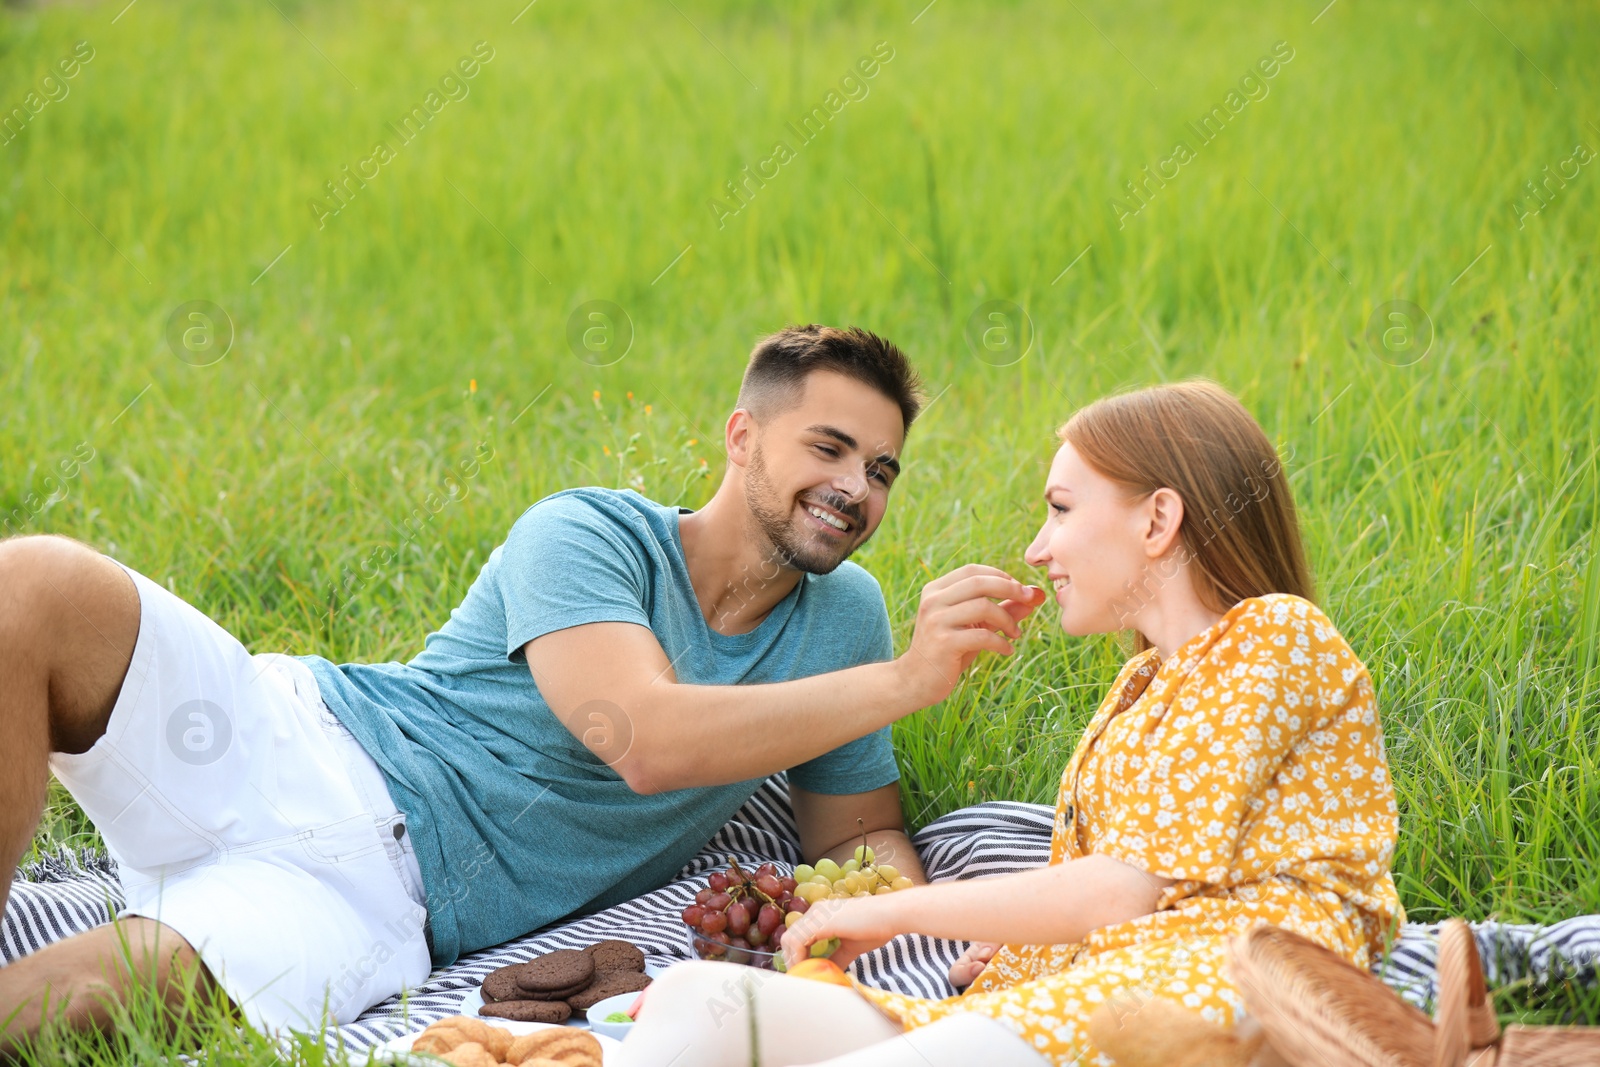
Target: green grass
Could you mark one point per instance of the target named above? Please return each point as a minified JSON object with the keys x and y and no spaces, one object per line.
{"x":1450,"y":504}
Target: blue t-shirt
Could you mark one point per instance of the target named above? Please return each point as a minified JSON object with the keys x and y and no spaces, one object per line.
{"x":515,"y":823}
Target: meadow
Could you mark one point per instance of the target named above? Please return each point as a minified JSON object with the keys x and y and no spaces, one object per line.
{"x":274,"y":277}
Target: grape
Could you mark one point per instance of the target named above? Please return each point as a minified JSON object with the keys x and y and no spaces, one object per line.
{"x":752,"y":907}
{"x":821,"y":879}
{"x":797,"y":906}
{"x":768,"y":884}
{"x":791,"y":918}
{"x":717,"y":882}
{"x":718,"y":901}
{"x":738,"y":922}
{"x":820,"y":949}
{"x":901,"y":883}
{"x":756,"y":938}
{"x":864,"y":856}
{"x":714,"y":922}
{"x":770,"y":919}
{"x":882,"y":889}
{"x":767,"y":869}
{"x":703,"y":896}
{"x":693,"y":914}
{"x":828,"y":869}
{"x":804,"y":872}
{"x":888,"y":873}
{"x":787,"y":884}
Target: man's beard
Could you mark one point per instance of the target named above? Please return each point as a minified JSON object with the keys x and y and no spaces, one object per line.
{"x":793,"y":548}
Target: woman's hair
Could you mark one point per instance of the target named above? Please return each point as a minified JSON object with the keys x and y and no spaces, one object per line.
{"x":1239,"y":530}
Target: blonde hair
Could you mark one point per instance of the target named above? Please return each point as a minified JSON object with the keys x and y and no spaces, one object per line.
{"x":1239,"y":531}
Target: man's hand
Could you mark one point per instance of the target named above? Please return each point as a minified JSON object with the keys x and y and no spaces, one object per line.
{"x":832,"y":826}
{"x":970,"y":610}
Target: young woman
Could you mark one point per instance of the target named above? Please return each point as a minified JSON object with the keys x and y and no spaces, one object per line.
{"x":1234,"y":775}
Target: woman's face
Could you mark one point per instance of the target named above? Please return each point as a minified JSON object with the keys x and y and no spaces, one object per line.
{"x":1092,"y":545}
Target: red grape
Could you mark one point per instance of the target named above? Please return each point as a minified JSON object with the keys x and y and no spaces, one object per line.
{"x":693,"y":914}
{"x":738,"y":922}
{"x":751,"y":906}
{"x":757,"y":938}
{"x":768,"y":884}
{"x":799,"y":904}
{"x":717,"y":882}
{"x":714,"y":922}
{"x":770,"y":919}
{"x":718,"y":901}
{"x":787,"y":884}
{"x":767,"y":869}
{"x":703,"y":896}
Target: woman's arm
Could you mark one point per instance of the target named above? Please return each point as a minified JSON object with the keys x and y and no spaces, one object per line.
{"x":1051,"y":905}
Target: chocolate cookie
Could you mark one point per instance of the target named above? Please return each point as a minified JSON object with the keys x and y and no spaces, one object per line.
{"x":555,"y":975}
{"x":606,"y":985}
{"x":529,"y":1011}
{"x":616,"y":956}
{"x":501,"y":984}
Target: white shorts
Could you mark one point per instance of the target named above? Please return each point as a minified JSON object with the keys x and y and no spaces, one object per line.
{"x":242,"y":814}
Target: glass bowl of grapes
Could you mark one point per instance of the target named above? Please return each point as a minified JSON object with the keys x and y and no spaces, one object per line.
{"x":739,"y":916}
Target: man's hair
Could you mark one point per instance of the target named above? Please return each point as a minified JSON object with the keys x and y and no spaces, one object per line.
{"x":780,"y":362}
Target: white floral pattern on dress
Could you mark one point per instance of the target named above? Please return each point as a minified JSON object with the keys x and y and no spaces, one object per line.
{"x":1250,"y":769}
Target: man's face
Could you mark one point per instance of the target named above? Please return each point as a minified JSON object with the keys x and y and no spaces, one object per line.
{"x":818,"y":474}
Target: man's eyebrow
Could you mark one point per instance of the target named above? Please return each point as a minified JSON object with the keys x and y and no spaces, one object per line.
{"x":885,"y":460}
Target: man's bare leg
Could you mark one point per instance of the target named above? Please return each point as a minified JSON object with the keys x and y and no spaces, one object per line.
{"x":77,"y":981}
{"x":69,"y":619}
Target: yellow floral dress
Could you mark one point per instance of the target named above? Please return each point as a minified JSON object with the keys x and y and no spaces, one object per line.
{"x":1249,"y":767}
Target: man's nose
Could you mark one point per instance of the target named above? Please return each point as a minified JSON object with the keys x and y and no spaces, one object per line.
{"x":853,"y":485}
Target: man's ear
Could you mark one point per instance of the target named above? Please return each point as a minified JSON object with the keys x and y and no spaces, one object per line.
{"x":738,"y":436}
{"x":1164,"y":510}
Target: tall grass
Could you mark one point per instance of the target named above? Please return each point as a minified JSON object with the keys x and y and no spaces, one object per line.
{"x":1449,"y":503}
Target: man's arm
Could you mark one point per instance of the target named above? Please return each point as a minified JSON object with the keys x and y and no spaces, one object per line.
{"x":613,"y":687}
{"x":828,"y":827}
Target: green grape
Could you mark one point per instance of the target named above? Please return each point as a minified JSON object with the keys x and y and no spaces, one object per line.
{"x":888,"y":873}
{"x":828,"y":869}
{"x":804,"y":872}
{"x":864,"y":856}
{"x":851,"y":864}
{"x":823,"y":949}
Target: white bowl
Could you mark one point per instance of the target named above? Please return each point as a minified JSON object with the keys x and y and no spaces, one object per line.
{"x":597,"y":1015}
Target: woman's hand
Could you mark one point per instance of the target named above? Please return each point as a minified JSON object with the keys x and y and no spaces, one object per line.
{"x":965,"y":970}
{"x":861,"y":925}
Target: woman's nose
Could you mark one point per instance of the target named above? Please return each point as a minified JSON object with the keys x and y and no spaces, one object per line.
{"x":1038,"y":553}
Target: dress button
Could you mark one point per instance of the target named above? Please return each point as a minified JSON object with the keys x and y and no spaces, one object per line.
{"x":399,"y":830}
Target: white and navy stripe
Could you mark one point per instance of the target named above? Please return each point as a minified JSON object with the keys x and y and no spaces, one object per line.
{"x":69,"y":892}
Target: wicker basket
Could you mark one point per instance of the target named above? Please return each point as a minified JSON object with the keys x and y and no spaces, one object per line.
{"x":1320,"y":1011}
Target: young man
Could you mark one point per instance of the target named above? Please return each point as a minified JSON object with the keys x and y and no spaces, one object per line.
{"x":299,"y":836}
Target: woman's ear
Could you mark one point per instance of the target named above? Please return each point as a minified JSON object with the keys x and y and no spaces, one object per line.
{"x":1165,"y":511}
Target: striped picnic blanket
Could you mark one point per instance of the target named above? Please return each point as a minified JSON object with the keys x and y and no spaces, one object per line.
{"x":68,"y":892}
